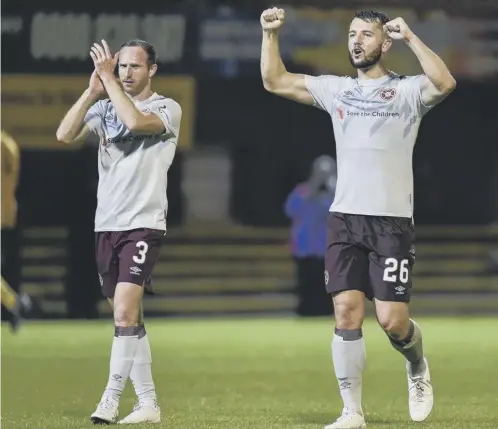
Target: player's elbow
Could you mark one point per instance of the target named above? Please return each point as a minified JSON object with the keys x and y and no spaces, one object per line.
{"x":137,"y":126}
{"x":63,"y":137}
{"x":145,"y":126}
{"x":273,"y":83}
{"x":276,"y":88}
{"x":133,"y":124}
{"x":269,"y":85}
{"x":452,"y":84}
{"x":449,"y":85}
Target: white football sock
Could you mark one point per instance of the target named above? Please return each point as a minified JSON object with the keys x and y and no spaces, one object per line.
{"x":349,"y":356}
{"x":124,"y":347}
{"x":141,"y":372}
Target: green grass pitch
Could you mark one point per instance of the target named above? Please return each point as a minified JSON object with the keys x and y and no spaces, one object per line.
{"x":247,"y":373}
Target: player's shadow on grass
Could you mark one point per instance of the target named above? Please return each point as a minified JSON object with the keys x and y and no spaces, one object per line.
{"x":316,"y":418}
{"x":320,"y":418}
{"x":76,"y":414}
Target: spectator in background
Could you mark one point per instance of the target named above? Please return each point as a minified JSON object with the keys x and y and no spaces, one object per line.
{"x":307,"y":206}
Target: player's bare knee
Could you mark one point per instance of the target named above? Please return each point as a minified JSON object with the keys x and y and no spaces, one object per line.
{"x":348,"y":319}
{"x":393,"y":318}
{"x":127,"y":303}
{"x":124,"y":316}
{"x":126,"y":313}
{"x":393,"y":327}
{"x":349,"y":310}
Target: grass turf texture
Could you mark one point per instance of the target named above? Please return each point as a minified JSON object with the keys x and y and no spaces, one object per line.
{"x":253,"y":373}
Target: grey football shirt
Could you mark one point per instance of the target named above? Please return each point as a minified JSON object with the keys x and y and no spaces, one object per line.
{"x":375,"y":123}
{"x":133,"y":168}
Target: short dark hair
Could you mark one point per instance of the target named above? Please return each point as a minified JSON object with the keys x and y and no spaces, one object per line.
{"x":146,"y":46}
{"x":372,"y":16}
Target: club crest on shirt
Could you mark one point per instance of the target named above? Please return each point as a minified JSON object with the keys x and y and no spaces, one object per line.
{"x":388,"y":94}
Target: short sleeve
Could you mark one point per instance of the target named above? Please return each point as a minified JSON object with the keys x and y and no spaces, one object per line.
{"x":413,"y":93}
{"x":94,"y":118}
{"x":323,"y":89}
{"x":170,"y":113}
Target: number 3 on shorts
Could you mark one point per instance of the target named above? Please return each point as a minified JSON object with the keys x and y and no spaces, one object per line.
{"x":392,"y":268}
{"x":142,"y":251}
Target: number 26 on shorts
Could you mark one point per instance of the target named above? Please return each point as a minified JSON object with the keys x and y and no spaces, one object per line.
{"x":392,"y":265}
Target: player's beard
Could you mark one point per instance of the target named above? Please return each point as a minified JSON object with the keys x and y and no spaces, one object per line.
{"x":368,"y":61}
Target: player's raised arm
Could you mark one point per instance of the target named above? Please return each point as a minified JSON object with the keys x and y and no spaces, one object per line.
{"x":438,"y":81}
{"x":276,"y":79}
{"x":128,"y":113}
{"x":73,"y":126}
{"x":134,"y":119}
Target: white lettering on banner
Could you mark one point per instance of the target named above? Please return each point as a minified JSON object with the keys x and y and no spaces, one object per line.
{"x":480,"y":48}
{"x":233,"y":39}
{"x":318,"y":39}
{"x":167,"y":34}
{"x":116,"y":29}
{"x":12,"y":24}
{"x":58,"y":36}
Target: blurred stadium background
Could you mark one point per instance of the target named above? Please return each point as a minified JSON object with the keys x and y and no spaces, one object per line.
{"x":241,"y":152}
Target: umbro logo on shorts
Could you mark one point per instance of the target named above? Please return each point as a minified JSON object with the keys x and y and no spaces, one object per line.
{"x":400,"y":290}
{"x":135,"y":270}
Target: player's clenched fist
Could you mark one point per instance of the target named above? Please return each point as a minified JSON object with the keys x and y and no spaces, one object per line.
{"x":397,"y":29}
{"x":272,"y":19}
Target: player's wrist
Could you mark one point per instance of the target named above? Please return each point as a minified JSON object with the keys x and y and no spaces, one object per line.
{"x":107,"y":78}
{"x":271,"y":32}
{"x":92,"y":94}
{"x":408,"y":38}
